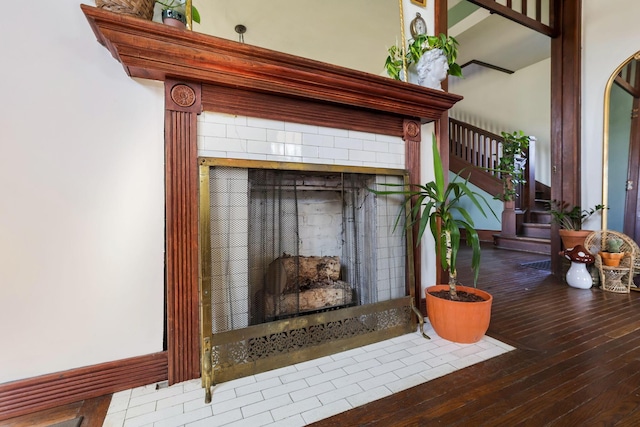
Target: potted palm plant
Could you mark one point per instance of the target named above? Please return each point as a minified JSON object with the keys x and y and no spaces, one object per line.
{"x":570,"y":220}
{"x":457,"y":313}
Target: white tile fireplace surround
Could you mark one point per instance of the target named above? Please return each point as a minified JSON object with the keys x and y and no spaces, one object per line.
{"x":303,"y":393}
{"x":239,"y":137}
{"x":306,"y":392}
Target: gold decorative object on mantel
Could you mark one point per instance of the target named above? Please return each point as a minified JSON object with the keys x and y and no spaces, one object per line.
{"x":189,"y":14}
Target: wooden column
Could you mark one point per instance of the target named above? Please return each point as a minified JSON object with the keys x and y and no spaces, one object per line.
{"x":182,"y":105}
{"x":565,"y":112}
{"x":412,"y":134}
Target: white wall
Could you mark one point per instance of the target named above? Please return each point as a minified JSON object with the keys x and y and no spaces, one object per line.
{"x":82,"y":212}
{"x":354,"y":34}
{"x":610,"y":37}
{"x":496,"y":101}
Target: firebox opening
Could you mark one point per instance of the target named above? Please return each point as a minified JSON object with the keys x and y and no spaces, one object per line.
{"x":298,"y":262}
{"x":286,"y":243}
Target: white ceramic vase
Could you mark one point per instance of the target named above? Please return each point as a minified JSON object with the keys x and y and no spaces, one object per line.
{"x":578,"y":276}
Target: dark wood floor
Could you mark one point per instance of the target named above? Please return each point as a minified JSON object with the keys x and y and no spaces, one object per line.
{"x":575,"y":364}
{"x":86,"y":413}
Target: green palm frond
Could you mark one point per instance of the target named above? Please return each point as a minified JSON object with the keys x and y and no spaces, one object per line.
{"x":434,"y":206}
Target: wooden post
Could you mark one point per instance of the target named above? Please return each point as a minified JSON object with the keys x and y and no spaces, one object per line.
{"x":182,"y":105}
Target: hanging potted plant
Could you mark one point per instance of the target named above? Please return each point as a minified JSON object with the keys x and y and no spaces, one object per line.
{"x":173,"y":13}
{"x":570,"y":220}
{"x":457,"y":313}
{"x":428,"y":49}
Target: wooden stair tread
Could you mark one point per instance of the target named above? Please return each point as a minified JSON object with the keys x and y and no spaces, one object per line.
{"x":523,"y":238}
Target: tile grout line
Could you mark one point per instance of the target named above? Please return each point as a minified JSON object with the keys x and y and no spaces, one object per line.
{"x":314,"y":385}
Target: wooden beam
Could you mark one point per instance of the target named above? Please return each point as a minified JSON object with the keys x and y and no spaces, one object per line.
{"x":487,"y":65}
{"x":565,"y":114}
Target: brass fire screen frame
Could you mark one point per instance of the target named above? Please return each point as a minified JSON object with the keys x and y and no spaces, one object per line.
{"x":258,"y":348}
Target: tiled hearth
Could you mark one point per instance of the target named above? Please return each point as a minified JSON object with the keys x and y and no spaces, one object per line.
{"x":303,"y":393}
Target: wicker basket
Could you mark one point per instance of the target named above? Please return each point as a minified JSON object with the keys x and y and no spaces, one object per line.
{"x":140,"y":8}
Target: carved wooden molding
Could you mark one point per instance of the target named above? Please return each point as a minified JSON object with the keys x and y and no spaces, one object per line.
{"x":182,"y":103}
{"x":155,"y":51}
{"x":270,"y":106}
{"x":411,"y":130}
{"x":49,"y":391}
{"x":183,"y":96}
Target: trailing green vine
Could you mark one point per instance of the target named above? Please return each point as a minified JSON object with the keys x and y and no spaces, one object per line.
{"x":417,"y":48}
{"x":511,"y":164}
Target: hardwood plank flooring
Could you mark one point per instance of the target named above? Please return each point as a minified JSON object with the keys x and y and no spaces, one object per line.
{"x":92,"y":411}
{"x":574,"y":362}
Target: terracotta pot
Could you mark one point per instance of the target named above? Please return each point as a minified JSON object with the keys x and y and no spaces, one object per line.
{"x":611,"y":259}
{"x":461,"y":322}
{"x":573,"y":238}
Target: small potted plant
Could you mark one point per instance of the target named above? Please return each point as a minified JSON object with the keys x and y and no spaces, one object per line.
{"x":173,"y":13}
{"x":612,"y":253}
{"x":416,"y":49}
{"x":570,"y":220}
{"x":457,"y":313}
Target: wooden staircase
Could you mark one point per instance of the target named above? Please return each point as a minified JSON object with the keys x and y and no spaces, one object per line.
{"x":526,"y":220}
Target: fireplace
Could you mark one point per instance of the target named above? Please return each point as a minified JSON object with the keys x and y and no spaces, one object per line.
{"x":298,"y":261}
{"x":205,"y":73}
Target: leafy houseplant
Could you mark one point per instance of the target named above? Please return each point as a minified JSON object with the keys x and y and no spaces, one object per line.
{"x":435,"y":206}
{"x":511,"y":164}
{"x":570,"y":220}
{"x":175,"y":7}
{"x":417,"y":48}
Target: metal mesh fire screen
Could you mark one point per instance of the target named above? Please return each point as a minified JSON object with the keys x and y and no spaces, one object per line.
{"x":297,"y":262}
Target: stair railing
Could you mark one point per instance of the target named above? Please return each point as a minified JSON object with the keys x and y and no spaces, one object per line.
{"x":539,"y":15}
{"x":475,"y":146}
{"x":476,"y":149}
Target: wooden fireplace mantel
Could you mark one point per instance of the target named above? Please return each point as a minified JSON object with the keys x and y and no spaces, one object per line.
{"x":202,"y":72}
{"x":155,"y":51}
